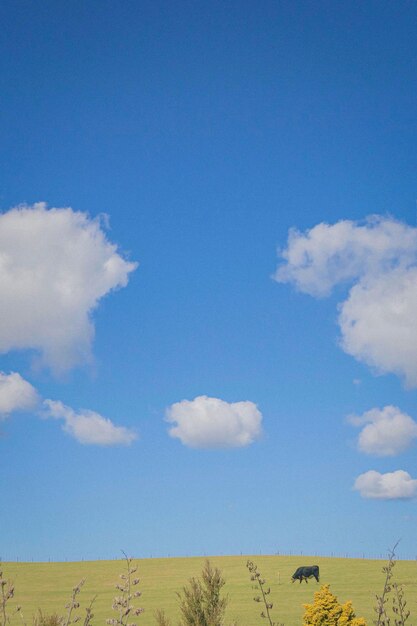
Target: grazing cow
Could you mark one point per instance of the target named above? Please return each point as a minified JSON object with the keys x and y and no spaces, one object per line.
{"x":302,"y":573}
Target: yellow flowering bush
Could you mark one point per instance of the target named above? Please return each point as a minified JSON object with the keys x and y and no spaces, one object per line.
{"x":326,"y":611}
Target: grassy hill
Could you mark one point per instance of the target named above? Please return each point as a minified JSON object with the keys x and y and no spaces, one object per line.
{"x":48,"y":585}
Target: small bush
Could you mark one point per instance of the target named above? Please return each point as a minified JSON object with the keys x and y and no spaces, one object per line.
{"x":200,"y":601}
{"x":326,"y":611}
{"x":47,"y":620}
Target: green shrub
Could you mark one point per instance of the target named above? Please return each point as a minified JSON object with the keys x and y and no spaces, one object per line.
{"x":200,"y":601}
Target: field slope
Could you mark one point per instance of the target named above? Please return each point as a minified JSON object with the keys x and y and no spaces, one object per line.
{"x":48,"y":585}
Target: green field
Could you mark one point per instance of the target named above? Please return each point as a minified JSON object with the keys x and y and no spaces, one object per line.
{"x":48,"y":585}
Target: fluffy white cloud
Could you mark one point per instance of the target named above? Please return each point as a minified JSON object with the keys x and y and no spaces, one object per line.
{"x":213,"y":423}
{"x":16,"y":394}
{"x":390,"y":486}
{"x":55,"y":266}
{"x":387,"y":431}
{"x":89,"y":427}
{"x":378,"y":323}
{"x":379,"y":257}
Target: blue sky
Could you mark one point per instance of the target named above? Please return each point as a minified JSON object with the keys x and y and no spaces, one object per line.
{"x":178,"y":371}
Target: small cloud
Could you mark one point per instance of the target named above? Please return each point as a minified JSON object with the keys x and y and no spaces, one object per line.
{"x":88,"y":427}
{"x":387,"y":432}
{"x":357,"y":381}
{"x":16,"y":394}
{"x":396,"y":485}
{"x":213,"y":423}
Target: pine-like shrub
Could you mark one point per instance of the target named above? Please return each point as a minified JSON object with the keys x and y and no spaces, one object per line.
{"x":326,"y":611}
{"x":201,"y":603}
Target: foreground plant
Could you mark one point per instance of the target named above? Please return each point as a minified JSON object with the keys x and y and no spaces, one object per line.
{"x":326,"y":610}
{"x":72,"y":605}
{"x":401,"y":613}
{"x":122,"y":603}
{"x":200,"y":601}
{"x":7,"y":593}
{"x":53,"y":619}
{"x":261,"y":586}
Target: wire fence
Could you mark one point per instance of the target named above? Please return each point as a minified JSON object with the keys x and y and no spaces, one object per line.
{"x":10,"y":558}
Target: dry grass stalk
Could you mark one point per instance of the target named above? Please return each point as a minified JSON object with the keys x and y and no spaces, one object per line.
{"x":122,"y":603}
{"x":401,"y":613}
{"x":261,"y":586}
{"x":7,"y":592}
{"x":47,"y":620}
{"x":161,"y":618}
{"x":73,"y":605}
{"x":399,"y":605}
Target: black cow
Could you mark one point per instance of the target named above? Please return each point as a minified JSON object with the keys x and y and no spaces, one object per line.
{"x":302,"y":573}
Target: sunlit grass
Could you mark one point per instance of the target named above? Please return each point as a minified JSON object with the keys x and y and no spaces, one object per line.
{"x":48,"y":585}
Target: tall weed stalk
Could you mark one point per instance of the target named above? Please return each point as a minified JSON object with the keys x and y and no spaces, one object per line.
{"x":260,"y":585}
{"x":7,"y":593}
{"x":123,"y":602}
{"x":399,"y":604}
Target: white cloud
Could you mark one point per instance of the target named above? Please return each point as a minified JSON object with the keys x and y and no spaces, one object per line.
{"x":379,"y":257}
{"x":55,"y":266}
{"x":213,"y":423}
{"x":88,"y":427}
{"x":387,"y":431}
{"x":16,"y":394}
{"x":379,"y":323}
{"x":396,"y":485}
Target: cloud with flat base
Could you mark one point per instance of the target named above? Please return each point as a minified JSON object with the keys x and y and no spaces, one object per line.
{"x":387,"y":431}
{"x":396,"y":485}
{"x":214,"y":423}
